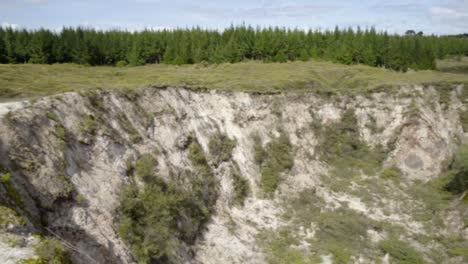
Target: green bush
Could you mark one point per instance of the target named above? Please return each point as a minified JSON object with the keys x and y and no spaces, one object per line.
{"x":401,"y":252}
{"x":241,"y":188}
{"x":127,"y":126}
{"x":53,"y":117}
{"x":159,"y":220}
{"x":392,"y":173}
{"x":14,"y":195}
{"x":32,"y":261}
{"x":80,"y":198}
{"x":144,"y":166}
{"x":9,"y":216}
{"x":259,"y":151}
{"x":51,"y":251}
{"x":149,"y":221}
{"x":204,"y":183}
{"x":121,"y":64}
{"x":280,"y":249}
{"x":60,"y":132}
{"x":8,"y":118}
{"x":457,"y":182}
{"x":341,"y":147}
{"x":464,"y":120}
{"x":89,"y":125}
{"x":341,"y":232}
{"x":221,"y":147}
{"x":275,"y":159}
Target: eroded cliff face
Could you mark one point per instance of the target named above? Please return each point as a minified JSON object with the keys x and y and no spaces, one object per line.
{"x":69,"y":156}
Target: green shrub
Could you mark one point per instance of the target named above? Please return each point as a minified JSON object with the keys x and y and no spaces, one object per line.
{"x":341,"y":232}
{"x":259,"y":151}
{"x":341,"y":147}
{"x":279,"y":247}
{"x":32,"y":261}
{"x":392,"y":173}
{"x":221,"y":147}
{"x":144,"y":166}
{"x":121,"y":64}
{"x":11,"y":190}
{"x":9,"y":216}
{"x":127,"y":126}
{"x":464,"y":120}
{"x":241,"y":188}
{"x":53,"y":117}
{"x":60,"y":131}
{"x":445,"y":91}
{"x":51,"y":251}
{"x":8,"y":119}
{"x":275,"y":159}
{"x":458,"y":181}
{"x":401,"y":252}
{"x":204,"y":184}
{"x":80,"y":198}
{"x":159,"y":220}
{"x":340,"y":255}
{"x":149,"y":221}
{"x":89,"y":125}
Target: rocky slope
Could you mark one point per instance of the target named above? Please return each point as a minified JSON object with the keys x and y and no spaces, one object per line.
{"x":359,"y":178}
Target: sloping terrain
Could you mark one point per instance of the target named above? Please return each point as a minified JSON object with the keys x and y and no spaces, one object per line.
{"x":171,"y":175}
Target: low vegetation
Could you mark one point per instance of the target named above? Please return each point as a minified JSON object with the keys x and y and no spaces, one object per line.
{"x":341,"y":232}
{"x":221,"y":147}
{"x":59,"y":128}
{"x":458,"y":182}
{"x":464,"y":120}
{"x":241,"y":188}
{"x":204,"y":185}
{"x":349,"y":157}
{"x":11,"y":190}
{"x":29,"y":80}
{"x":49,"y":251}
{"x":401,"y":252}
{"x":9,"y":216}
{"x":281,"y":247}
{"x":275,"y":159}
{"x":391,"y":173}
{"x":144,"y":166}
{"x":159,"y":218}
{"x":89,"y":125}
{"x":128,"y":127}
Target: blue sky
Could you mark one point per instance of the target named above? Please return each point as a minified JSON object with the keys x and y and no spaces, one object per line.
{"x":429,"y":16}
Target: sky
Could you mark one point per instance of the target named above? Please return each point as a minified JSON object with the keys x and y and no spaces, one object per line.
{"x":430,"y":16}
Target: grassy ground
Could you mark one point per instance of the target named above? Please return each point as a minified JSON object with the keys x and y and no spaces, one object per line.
{"x":454,"y":65}
{"x":28,"y":80}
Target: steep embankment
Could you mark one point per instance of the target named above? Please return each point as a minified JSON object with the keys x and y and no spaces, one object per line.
{"x":234,"y":177}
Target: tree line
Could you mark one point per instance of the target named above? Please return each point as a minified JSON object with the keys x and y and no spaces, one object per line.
{"x":234,"y":44}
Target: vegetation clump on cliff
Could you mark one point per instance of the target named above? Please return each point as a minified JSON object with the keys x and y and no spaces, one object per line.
{"x":275,"y":159}
{"x":160,"y":219}
{"x":221,"y":147}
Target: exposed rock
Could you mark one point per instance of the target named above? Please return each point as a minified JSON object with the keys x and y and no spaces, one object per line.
{"x":51,"y":166}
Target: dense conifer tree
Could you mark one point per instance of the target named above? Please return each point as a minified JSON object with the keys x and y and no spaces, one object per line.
{"x":235,"y":44}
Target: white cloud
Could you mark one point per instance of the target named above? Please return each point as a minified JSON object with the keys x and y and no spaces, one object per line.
{"x":447,"y":12}
{"x":120,"y":25}
{"x":35,"y":1}
{"x":9,"y":25}
{"x":452,"y":18}
{"x":268,"y":10}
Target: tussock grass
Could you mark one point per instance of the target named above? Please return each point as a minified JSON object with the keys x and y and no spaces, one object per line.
{"x":34,"y":80}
